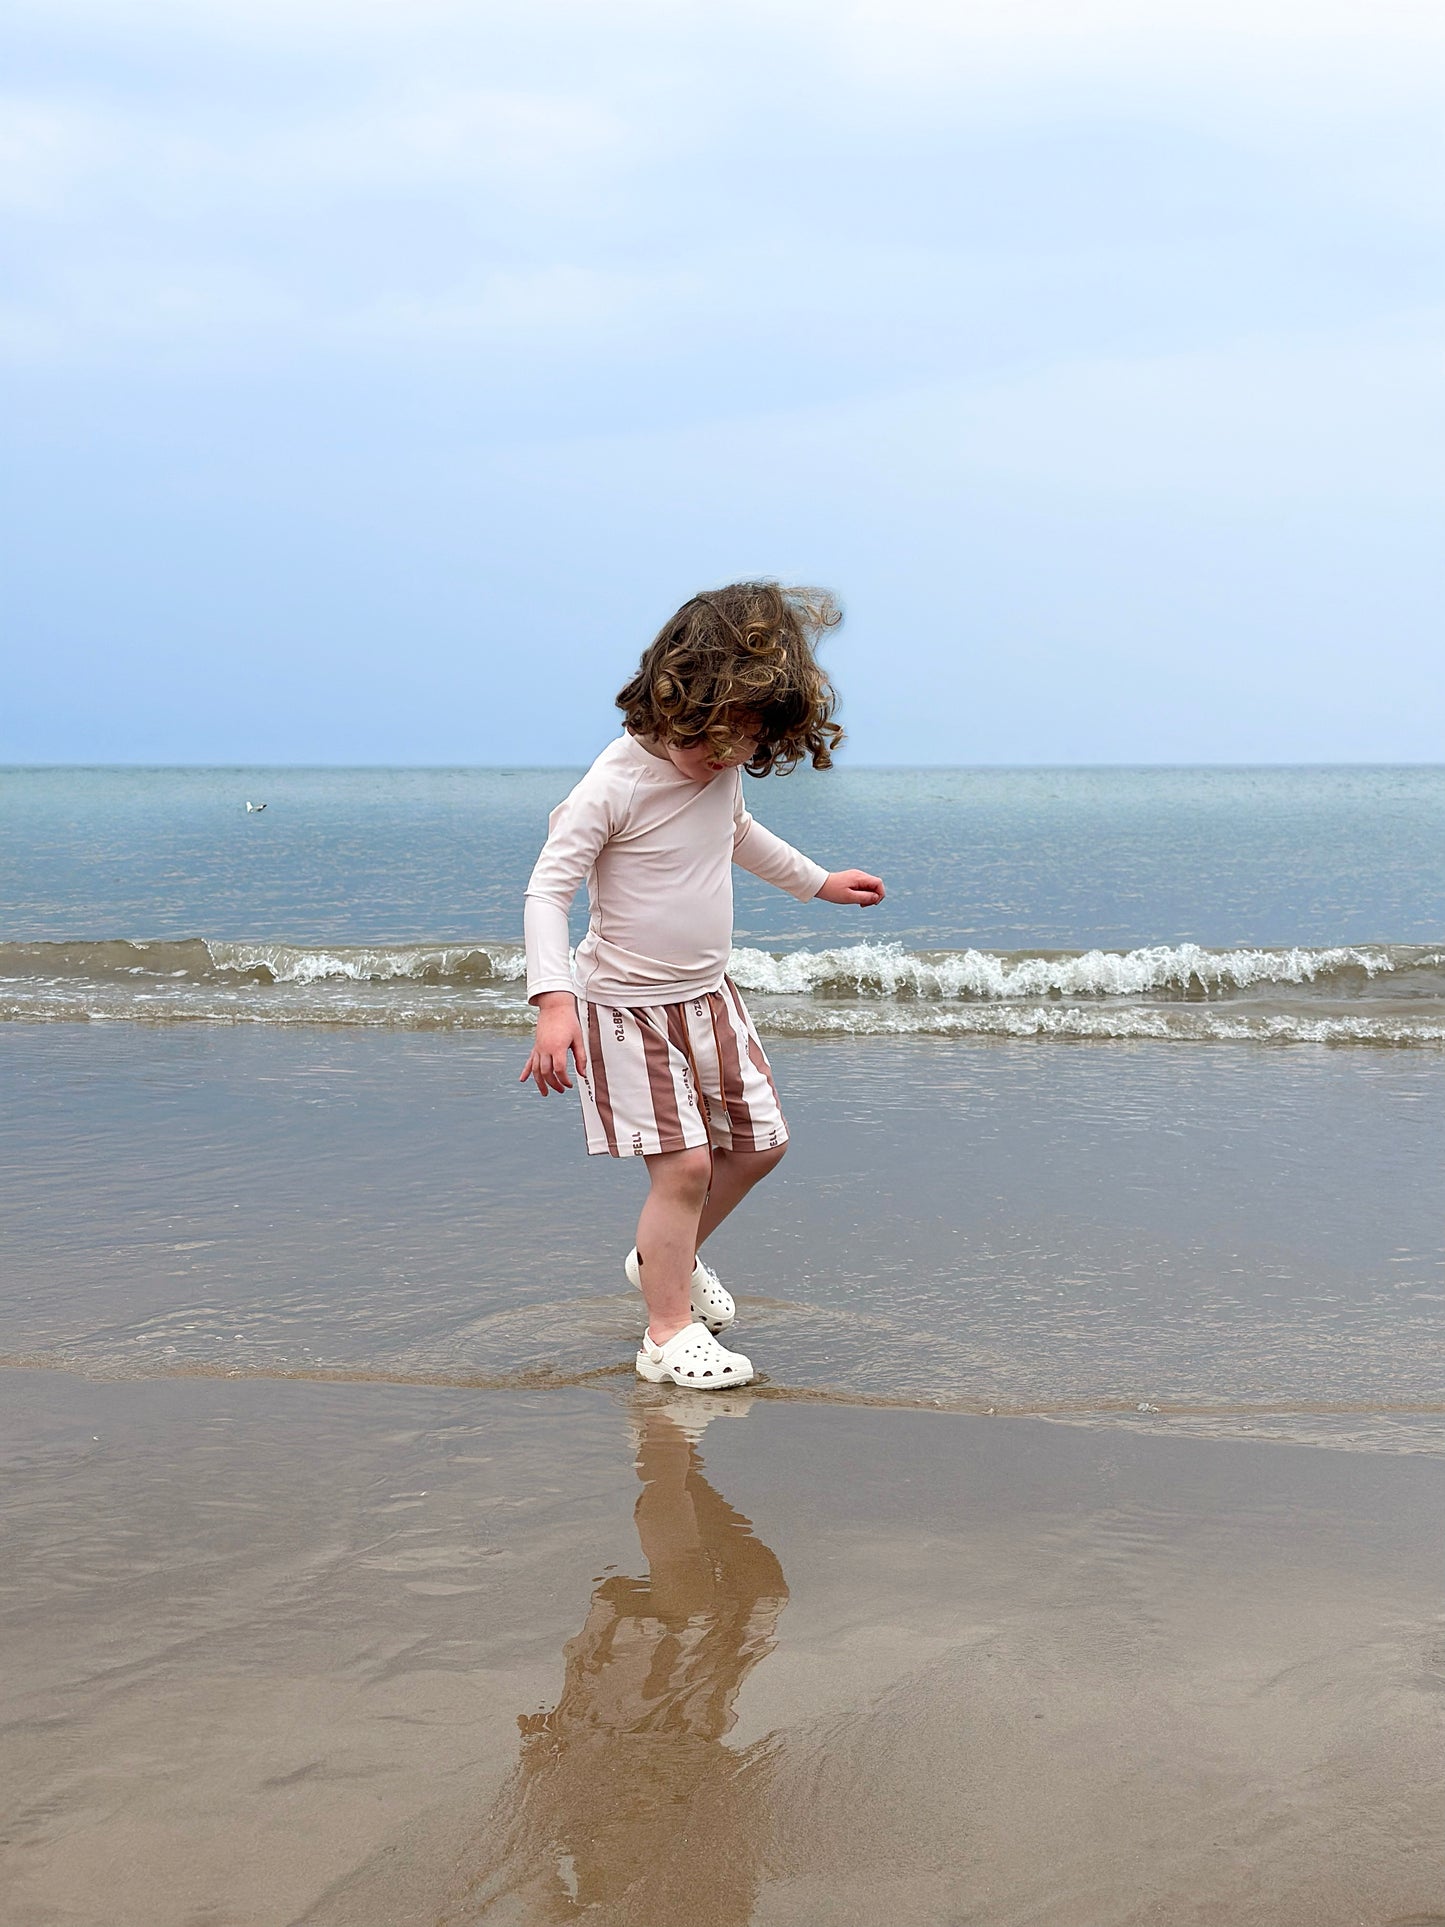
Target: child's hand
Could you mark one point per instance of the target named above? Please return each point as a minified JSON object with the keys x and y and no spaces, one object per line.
{"x":852,"y":886}
{"x":558,"y":1032}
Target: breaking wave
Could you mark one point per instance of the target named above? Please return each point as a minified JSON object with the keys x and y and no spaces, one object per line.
{"x":203,"y":960}
{"x":1182,"y":970}
{"x":1339,"y":994}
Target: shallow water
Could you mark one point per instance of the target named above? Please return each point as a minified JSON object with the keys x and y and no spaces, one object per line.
{"x":302,"y":1149}
{"x":1252,"y":1245}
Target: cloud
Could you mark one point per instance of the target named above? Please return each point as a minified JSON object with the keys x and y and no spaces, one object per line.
{"x":1078,"y":300}
{"x":62,"y":155}
{"x":1354,"y":423}
{"x":559,"y":300}
{"x":47,"y":151}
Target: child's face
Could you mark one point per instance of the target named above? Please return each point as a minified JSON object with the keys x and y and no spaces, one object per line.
{"x":701,"y":762}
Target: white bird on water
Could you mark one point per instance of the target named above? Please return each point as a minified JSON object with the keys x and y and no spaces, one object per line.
{"x":254,"y":808}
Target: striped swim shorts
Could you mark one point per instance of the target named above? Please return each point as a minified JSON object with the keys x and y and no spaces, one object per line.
{"x":673,"y":1077}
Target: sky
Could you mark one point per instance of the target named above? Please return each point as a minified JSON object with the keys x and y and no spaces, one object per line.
{"x":378,"y":375}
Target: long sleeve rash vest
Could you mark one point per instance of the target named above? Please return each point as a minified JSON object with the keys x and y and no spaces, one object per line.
{"x":656,"y":851}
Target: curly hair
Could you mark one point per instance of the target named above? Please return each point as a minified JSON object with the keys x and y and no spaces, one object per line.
{"x":743,"y":650}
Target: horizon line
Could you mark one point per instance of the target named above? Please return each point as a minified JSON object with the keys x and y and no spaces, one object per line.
{"x":525,"y":769}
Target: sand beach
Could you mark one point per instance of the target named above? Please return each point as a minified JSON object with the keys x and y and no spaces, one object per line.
{"x":368,"y":1654}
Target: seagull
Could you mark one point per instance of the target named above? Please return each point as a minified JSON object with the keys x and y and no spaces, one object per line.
{"x":254,"y":808}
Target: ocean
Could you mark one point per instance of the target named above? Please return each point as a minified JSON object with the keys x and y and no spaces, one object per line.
{"x":1248,"y":905}
{"x":1124,"y":1108}
{"x":1078,"y":1553}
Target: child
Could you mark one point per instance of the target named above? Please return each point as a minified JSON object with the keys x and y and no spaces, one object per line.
{"x":671,"y":1068}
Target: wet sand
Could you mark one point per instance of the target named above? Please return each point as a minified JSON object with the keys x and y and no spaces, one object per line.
{"x":369,"y":1656}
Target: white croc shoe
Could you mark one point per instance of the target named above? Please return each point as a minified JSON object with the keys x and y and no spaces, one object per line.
{"x":712,"y":1302}
{"x":693,"y":1359}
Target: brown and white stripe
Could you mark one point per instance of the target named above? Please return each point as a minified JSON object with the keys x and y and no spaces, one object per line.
{"x":671,"y":1077}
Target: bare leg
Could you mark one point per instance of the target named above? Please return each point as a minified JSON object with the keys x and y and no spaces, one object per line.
{"x":734,"y":1173}
{"x":667,"y":1238}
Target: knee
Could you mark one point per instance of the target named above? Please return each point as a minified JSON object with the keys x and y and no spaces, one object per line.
{"x":769,"y":1160}
{"x":687,"y":1175}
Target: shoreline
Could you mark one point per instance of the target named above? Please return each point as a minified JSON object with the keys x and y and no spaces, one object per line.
{"x":1175,"y":1415}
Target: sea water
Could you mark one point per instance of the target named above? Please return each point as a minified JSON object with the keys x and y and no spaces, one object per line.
{"x":1247,"y":904}
{"x":1125,"y":1107}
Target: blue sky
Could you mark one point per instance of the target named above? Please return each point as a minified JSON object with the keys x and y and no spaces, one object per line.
{"x":378,"y":374}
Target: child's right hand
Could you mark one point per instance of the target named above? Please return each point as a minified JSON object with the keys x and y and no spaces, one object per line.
{"x":558,"y":1032}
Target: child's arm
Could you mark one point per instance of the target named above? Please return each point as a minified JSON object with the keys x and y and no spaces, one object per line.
{"x":576,"y":831}
{"x":757,"y":849}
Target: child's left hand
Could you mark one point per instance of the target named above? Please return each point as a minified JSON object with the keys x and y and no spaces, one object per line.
{"x":852,"y":886}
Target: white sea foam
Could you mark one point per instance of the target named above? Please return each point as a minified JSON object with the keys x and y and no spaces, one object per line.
{"x":888,"y":970}
{"x":381,"y":963}
{"x":400,"y":1006}
{"x":1065,"y":1021}
{"x":1338,"y":994}
{"x":863,"y":970}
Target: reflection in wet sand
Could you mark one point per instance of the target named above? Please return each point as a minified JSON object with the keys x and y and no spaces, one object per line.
{"x":625,"y":1803}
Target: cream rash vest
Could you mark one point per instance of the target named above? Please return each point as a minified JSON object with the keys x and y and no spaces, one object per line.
{"x":656,"y":851}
